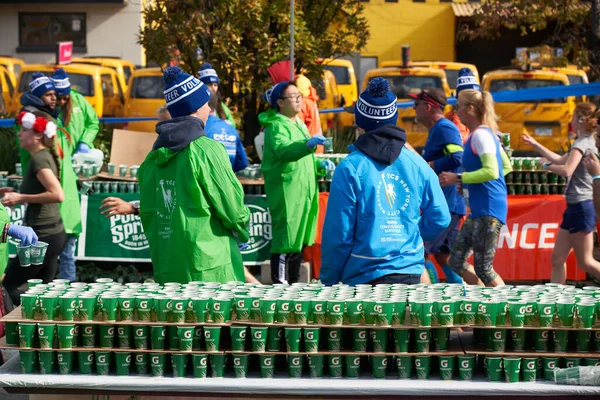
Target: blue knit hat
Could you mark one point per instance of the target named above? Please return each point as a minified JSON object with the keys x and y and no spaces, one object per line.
{"x":40,"y":84}
{"x":466,"y":80}
{"x":207,"y":74}
{"x":376,"y":106}
{"x":273,"y":94}
{"x":61,"y":82}
{"x":183,"y":93}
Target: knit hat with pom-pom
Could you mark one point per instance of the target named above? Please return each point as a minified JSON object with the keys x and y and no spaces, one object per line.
{"x":466,"y":80}
{"x":40,"y":84}
{"x":61,"y":80}
{"x":184,"y":94}
{"x":207,"y":74}
{"x":376,"y":106}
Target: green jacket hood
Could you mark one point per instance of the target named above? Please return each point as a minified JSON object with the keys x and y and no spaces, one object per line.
{"x":272,"y":116}
{"x":175,"y":135}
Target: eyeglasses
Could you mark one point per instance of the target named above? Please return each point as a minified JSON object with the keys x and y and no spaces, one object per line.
{"x":295,"y":98}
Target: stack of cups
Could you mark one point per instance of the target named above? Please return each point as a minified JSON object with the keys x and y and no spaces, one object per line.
{"x":550,"y":306}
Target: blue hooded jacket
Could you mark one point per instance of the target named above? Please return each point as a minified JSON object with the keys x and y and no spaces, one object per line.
{"x":382,"y":204}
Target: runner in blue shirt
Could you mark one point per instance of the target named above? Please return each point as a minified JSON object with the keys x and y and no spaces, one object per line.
{"x":443,"y":152}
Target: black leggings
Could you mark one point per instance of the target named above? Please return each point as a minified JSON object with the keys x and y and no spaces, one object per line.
{"x":280,"y":263}
{"x":17,"y":275}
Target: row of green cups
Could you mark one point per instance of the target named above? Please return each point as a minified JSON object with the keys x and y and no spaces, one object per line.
{"x":154,"y":337}
{"x":115,"y":302}
{"x":188,"y":338}
{"x":542,"y":312}
{"x":350,"y":366}
{"x":133,"y":170}
{"x":539,"y":340}
{"x":382,"y":305}
{"x":515,"y":369}
{"x":545,"y":367}
{"x":32,"y":254}
{"x":541,"y":305}
{"x":264,"y":338}
{"x":524,"y":369}
{"x":115,"y":187}
{"x":380,"y":366}
{"x":86,"y":170}
{"x":337,"y":365}
{"x":123,"y":363}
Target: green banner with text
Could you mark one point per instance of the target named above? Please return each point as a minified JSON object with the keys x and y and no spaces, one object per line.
{"x":122,"y":238}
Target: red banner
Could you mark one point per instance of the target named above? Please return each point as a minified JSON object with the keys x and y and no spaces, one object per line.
{"x":525,"y":244}
{"x":527,"y":240}
{"x":64,"y":53}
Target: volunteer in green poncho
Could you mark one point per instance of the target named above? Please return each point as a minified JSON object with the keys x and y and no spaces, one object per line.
{"x":290,"y":171}
{"x":191,"y":203}
{"x":209,"y":77}
{"x":23,"y":233}
{"x":81,"y":122}
{"x":42,"y":97}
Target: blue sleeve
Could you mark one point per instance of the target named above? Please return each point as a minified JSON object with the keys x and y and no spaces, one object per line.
{"x":241,"y":161}
{"x":449,"y":162}
{"x":435,"y":216}
{"x":340,"y":221}
{"x":446,"y":133}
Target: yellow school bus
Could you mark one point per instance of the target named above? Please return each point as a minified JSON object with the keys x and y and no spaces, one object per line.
{"x":144,"y":97}
{"x":450,"y":68}
{"x":99,"y":85}
{"x":576,"y":77}
{"x":123,"y":68}
{"x":411,"y":80}
{"x":546,"y":120}
{"x":7,"y":91}
{"x":343,"y":70}
{"x":329,"y":97}
{"x":13,"y":66}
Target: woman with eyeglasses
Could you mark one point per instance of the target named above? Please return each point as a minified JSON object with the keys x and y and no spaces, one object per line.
{"x":290,"y":171}
{"x":81,"y":122}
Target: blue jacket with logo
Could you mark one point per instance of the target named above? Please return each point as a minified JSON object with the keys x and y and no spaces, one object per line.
{"x":384,"y":201}
{"x":223,"y":132}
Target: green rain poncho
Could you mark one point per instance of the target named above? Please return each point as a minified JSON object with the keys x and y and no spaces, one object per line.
{"x":69,"y":208}
{"x":290,"y":171}
{"x":84,"y":124}
{"x":4,"y":219}
{"x":192,"y":206}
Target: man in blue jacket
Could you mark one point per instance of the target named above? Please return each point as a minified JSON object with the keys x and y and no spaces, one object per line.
{"x":443,"y":152}
{"x":384,"y":201}
{"x":221,"y":131}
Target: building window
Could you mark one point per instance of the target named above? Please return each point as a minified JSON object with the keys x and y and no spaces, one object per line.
{"x":40,"y":32}
{"x":391,"y":1}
